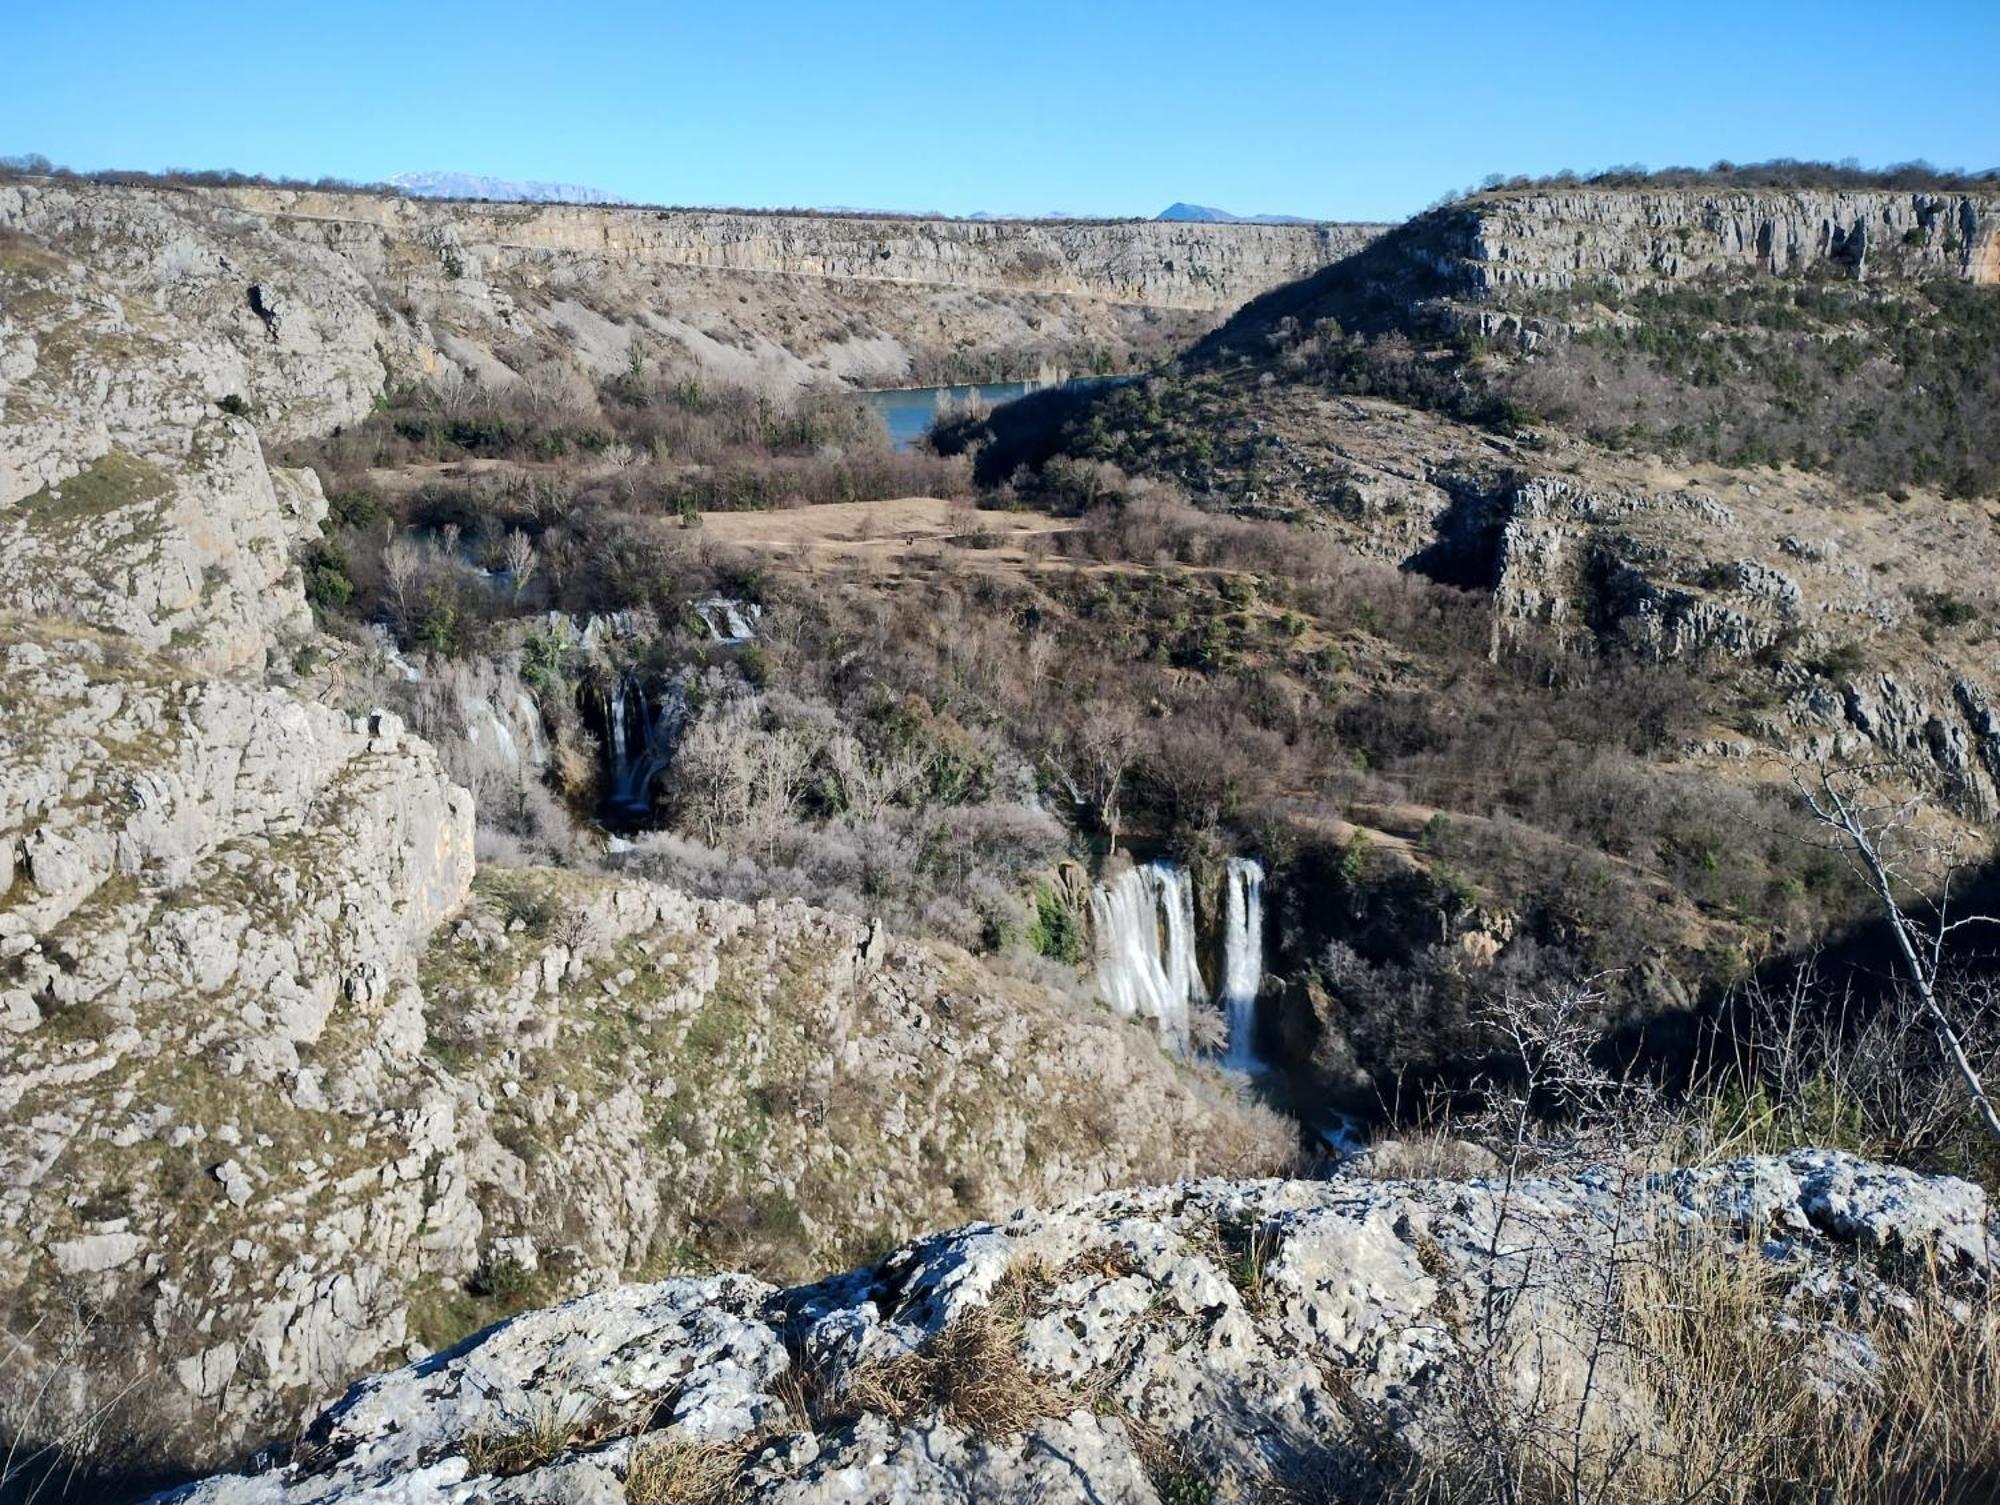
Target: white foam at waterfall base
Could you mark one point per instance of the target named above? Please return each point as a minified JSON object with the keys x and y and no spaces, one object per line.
{"x":1144,"y":923}
{"x":1242,"y":958}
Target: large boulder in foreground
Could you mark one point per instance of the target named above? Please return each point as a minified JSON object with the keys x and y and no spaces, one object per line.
{"x":1270,"y":1339}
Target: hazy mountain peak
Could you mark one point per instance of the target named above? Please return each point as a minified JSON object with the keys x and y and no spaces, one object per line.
{"x":1202,"y":214}
{"x":463,"y":185}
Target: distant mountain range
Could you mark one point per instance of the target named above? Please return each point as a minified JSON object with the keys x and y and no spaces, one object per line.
{"x":465,"y":185}
{"x":1201,"y":214}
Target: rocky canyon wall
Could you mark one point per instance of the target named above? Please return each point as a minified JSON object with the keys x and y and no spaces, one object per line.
{"x":283,"y":1093}
{"x":358,"y":291}
{"x":1552,"y":240}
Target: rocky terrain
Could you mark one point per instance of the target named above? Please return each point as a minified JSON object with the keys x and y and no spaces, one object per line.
{"x":1858,"y":626}
{"x":286,"y":1091}
{"x":1217,"y":1340}
{"x":1765,"y":518}
{"x":1557,"y":239}
{"x":1491,"y":251}
{"x":292,"y":1087}
{"x":402,"y":289}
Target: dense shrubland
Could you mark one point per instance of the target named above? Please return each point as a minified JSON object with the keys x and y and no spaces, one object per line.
{"x":1883,"y":389}
{"x":1882,"y":386}
{"x":1157,"y":677}
{"x":457,"y":505}
{"x":1189,"y":682}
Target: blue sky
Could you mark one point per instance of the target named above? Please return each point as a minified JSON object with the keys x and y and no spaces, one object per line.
{"x":1327,"y":109}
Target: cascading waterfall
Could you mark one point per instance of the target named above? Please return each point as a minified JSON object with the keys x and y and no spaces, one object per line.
{"x":615,"y":730}
{"x":1144,"y":922}
{"x":642,"y":740}
{"x":728,"y":621}
{"x":1242,"y":958}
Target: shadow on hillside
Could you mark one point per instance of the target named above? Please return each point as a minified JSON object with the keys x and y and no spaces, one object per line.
{"x":1860,"y":966}
{"x":1369,"y":292}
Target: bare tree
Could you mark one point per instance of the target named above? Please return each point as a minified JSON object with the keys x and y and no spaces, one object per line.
{"x":1867,"y":831}
{"x":1091,"y":756}
{"x":402,"y":562}
{"x":520,"y":556}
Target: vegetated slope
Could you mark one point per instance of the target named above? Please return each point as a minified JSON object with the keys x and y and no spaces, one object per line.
{"x":1492,"y":708}
{"x":1853,"y":332}
{"x":1778,"y":615}
{"x":284,"y":1089}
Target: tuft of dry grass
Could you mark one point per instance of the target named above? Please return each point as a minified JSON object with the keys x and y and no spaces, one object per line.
{"x":972,"y":1372}
{"x":676,"y":1471}
{"x":553,"y":1427}
{"x":1929,"y":1430}
{"x":1174,"y":1469}
{"x":1708,"y":1385}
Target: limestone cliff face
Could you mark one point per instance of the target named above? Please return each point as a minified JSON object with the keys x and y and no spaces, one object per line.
{"x":317,"y":301}
{"x":282,"y":1095}
{"x":1168,"y":265}
{"x":1529,"y":241}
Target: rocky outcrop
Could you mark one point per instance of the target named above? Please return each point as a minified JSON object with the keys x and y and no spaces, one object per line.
{"x":1165,"y":265}
{"x":1652,"y":574}
{"x":1558,"y":239}
{"x":132,"y":498}
{"x":580,"y":1081}
{"x":1264,"y":1338}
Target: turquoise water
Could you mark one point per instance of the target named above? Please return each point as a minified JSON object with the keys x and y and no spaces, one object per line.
{"x":908,"y":410}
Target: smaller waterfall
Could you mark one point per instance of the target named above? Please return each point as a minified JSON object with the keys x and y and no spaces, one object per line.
{"x":1242,"y":958}
{"x":1144,"y":922}
{"x":615,"y":733}
{"x":528,"y":716}
{"x":728,"y":621}
{"x":392,"y":654}
{"x":641,"y":740}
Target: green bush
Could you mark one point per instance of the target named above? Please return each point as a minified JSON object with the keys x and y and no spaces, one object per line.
{"x":1054,"y":931}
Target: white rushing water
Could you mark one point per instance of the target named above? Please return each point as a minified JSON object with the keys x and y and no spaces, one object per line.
{"x":642,"y":738}
{"x":392,"y":655}
{"x":728,"y":621}
{"x":1242,"y":958}
{"x":1146,"y":956}
{"x":1144,"y":922}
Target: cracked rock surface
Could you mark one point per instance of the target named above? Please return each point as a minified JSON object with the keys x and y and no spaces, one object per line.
{"x":1132,"y":1315}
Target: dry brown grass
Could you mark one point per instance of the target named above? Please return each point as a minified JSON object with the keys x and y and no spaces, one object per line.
{"x":675,"y":1471}
{"x":972,"y":1372}
{"x":1930,"y":1430}
{"x":1424,"y":1154}
{"x":554,"y":1427}
{"x":1708,"y":1388}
